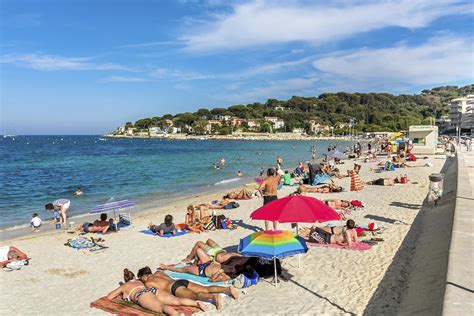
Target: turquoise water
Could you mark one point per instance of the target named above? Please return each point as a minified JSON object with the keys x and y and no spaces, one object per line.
{"x":36,"y":170}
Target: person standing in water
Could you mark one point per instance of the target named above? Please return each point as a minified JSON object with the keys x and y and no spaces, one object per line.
{"x":222,"y":162}
{"x":268,"y":189}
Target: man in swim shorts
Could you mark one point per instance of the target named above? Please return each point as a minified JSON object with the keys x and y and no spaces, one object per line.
{"x":268,"y":189}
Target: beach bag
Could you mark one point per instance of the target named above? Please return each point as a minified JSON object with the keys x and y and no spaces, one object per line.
{"x":210,"y":225}
{"x":231,"y":205}
{"x":404,"y":179}
{"x":217,"y":220}
{"x":243,"y":281}
{"x":125,"y":219}
{"x":14,"y":265}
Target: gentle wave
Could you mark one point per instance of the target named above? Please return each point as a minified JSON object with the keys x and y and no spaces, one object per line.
{"x":227,"y":181}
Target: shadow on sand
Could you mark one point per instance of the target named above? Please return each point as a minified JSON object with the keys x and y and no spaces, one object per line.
{"x":322,"y":297}
{"x":414,"y":282}
{"x":406,"y":205}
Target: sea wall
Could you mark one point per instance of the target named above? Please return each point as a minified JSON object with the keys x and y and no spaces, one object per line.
{"x":459,"y":292}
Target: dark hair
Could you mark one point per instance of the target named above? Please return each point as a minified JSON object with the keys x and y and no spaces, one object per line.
{"x":35,"y":214}
{"x":128,"y":275}
{"x":103,"y":217}
{"x":337,"y":189}
{"x":271,"y":172}
{"x":49,"y":206}
{"x":168,"y":220}
{"x":143,"y":272}
{"x":350,"y":224}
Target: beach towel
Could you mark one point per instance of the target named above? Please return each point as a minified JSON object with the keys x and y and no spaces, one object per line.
{"x":321,"y":178}
{"x":359,"y":246}
{"x":168,"y":235}
{"x":84,"y":243}
{"x":194,"y":278}
{"x":120,"y":307}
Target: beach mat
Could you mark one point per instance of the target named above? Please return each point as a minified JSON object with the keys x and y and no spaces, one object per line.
{"x":169,"y":235}
{"x":84,"y":243}
{"x":194,"y":278}
{"x":360,"y":246}
{"x":120,"y":307}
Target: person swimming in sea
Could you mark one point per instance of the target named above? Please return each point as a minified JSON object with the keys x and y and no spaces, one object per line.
{"x":78,"y":191}
{"x":239,"y":174}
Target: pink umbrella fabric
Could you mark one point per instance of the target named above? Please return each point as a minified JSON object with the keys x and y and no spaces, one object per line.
{"x":296,"y":209}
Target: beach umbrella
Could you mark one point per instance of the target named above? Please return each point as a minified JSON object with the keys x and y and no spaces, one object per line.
{"x":295,"y":209}
{"x":336,"y":154}
{"x":272,"y":244}
{"x":112,"y":206}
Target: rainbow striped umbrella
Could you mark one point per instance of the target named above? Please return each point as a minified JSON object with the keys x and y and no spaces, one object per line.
{"x":271,"y":245}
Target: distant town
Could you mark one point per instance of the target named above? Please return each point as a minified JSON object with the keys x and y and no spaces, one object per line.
{"x":340,"y":114}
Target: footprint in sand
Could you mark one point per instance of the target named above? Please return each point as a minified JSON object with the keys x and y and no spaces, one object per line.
{"x":68,"y":273}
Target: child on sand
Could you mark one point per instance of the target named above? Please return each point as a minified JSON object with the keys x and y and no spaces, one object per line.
{"x":35,"y":222}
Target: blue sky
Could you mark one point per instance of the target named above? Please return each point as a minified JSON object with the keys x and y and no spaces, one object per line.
{"x":86,"y":67}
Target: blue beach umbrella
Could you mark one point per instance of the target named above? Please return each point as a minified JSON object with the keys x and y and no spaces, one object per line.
{"x":113,"y":206}
{"x":272,"y":245}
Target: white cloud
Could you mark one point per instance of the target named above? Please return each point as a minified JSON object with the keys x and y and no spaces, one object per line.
{"x":440,"y":60}
{"x":266,"y":22}
{"x":123,"y":79}
{"x":53,"y":62}
{"x":274,"y":89}
{"x":175,"y":74}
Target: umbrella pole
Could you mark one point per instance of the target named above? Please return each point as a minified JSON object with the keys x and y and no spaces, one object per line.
{"x":276,"y":276}
{"x":299,"y":255}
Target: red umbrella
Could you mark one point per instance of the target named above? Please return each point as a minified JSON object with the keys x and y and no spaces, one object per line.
{"x":296,"y":209}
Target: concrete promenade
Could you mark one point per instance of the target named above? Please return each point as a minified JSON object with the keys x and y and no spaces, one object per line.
{"x":459,"y":293}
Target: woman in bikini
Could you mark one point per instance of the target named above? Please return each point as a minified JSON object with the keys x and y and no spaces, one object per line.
{"x":193,"y":221}
{"x":163,"y":296}
{"x":210,"y":269}
{"x":184,"y":288}
{"x":346,"y":235}
{"x":210,"y":250}
{"x":135,"y":291}
{"x":338,"y":204}
{"x":327,"y":188}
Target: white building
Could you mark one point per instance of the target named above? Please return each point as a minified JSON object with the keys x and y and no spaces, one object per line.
{"x":121,"y":130}
{"x":461,"y":112}
{"x":276,"y":122}
{"x":253,"y":124}
{"x":424,"y":139}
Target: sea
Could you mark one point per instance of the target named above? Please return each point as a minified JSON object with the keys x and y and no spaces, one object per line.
{"x":35,"y":170}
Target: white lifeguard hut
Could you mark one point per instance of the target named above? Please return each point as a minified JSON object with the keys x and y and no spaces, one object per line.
{"x":424,"y":139}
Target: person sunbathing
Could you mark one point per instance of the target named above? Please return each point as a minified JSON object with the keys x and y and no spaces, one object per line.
{"x":98,"y":226}
{"x":243,"y":194}
{"x":165,"y":228}
{"x":135,"y":291}
{"x":384,"y":181}
{"x":184,"y":288}
{"x":326,"y":188}
{"x":346,"y":235}
{"x":193,"y":221}
{"x":210,"y":250}
{"x":338,"y":204}
{"x":210,"y":269}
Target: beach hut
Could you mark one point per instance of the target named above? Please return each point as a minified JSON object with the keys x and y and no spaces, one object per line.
{"x":424,"y":139}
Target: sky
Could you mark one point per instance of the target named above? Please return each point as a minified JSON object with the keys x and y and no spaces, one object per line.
{"x":87,"y":67}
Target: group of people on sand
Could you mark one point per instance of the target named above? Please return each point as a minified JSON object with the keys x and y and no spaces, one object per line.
{"x":158,"y":292}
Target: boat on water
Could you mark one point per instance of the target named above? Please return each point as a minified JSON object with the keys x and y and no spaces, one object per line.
{"x":103,"y":139}
{"x":5,"y":135}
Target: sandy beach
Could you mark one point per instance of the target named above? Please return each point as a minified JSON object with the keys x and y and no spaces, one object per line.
{"x":60,"y":280}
